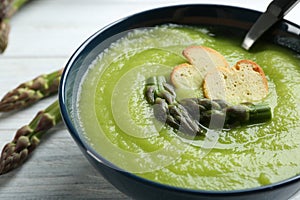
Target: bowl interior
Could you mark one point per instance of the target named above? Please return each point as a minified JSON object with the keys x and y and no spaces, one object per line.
{"x":230,"y":21}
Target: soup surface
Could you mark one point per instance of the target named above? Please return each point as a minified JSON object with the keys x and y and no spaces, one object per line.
{"x":119,"y":124}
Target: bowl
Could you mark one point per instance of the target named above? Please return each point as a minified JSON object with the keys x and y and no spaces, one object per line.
{"x":234,"y":21}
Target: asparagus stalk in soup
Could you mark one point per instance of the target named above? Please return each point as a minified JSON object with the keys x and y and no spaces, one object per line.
{"x":190,"y":115}
{"x":123,"y":121}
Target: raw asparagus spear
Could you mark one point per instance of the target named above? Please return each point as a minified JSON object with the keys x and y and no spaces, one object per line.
{"x":4,"y":32}
{"x":5,"y":6}
{"x":28,"y":137}
{"x":7,"y":9}
{"x":188,"y":113}
{"x":31,"y":91}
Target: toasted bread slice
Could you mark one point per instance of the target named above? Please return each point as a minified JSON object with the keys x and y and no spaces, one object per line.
{"x":245,"y":82}
{"x":186,"y":76}
{"x":202,"y":59}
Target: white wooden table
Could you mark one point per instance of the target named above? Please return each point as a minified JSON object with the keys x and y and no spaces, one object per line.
{"x":44,"y":34}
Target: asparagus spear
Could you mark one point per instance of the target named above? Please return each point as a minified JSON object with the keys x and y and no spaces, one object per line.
{"x":4,"y":8}
{"x":28,"y":137}
{"x":193,"y":115}
{"x":166,"y":109}
{"x":7,"y":9}
{"x":31,"y":91}
{"x":4,"y":31}
{"x":234,"y":115}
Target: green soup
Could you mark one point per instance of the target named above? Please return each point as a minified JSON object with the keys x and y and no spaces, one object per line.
{"x":119,"y":123}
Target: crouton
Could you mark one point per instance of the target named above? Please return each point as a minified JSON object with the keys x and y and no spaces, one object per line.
{"x":201,"y":60}
{"x":244,"y":82}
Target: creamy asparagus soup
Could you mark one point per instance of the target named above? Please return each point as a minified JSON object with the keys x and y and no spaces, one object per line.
{"x":120,"y":123}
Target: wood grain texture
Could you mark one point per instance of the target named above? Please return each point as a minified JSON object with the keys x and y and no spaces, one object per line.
{"x":44,"y":35}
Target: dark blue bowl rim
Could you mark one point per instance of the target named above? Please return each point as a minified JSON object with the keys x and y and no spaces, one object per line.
{"x":84,"y":145}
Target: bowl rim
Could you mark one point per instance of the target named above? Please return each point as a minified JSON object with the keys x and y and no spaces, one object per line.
{"x":95,"y":155}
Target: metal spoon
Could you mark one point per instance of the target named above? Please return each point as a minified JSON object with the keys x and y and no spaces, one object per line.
{"x":276,"y":10}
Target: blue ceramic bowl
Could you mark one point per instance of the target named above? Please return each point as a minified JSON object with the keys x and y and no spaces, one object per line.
{"x":232,"y":20}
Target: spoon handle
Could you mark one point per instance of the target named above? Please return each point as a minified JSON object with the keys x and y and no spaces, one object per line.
{"x":276,"y":10}
{"x":281,"y":7}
